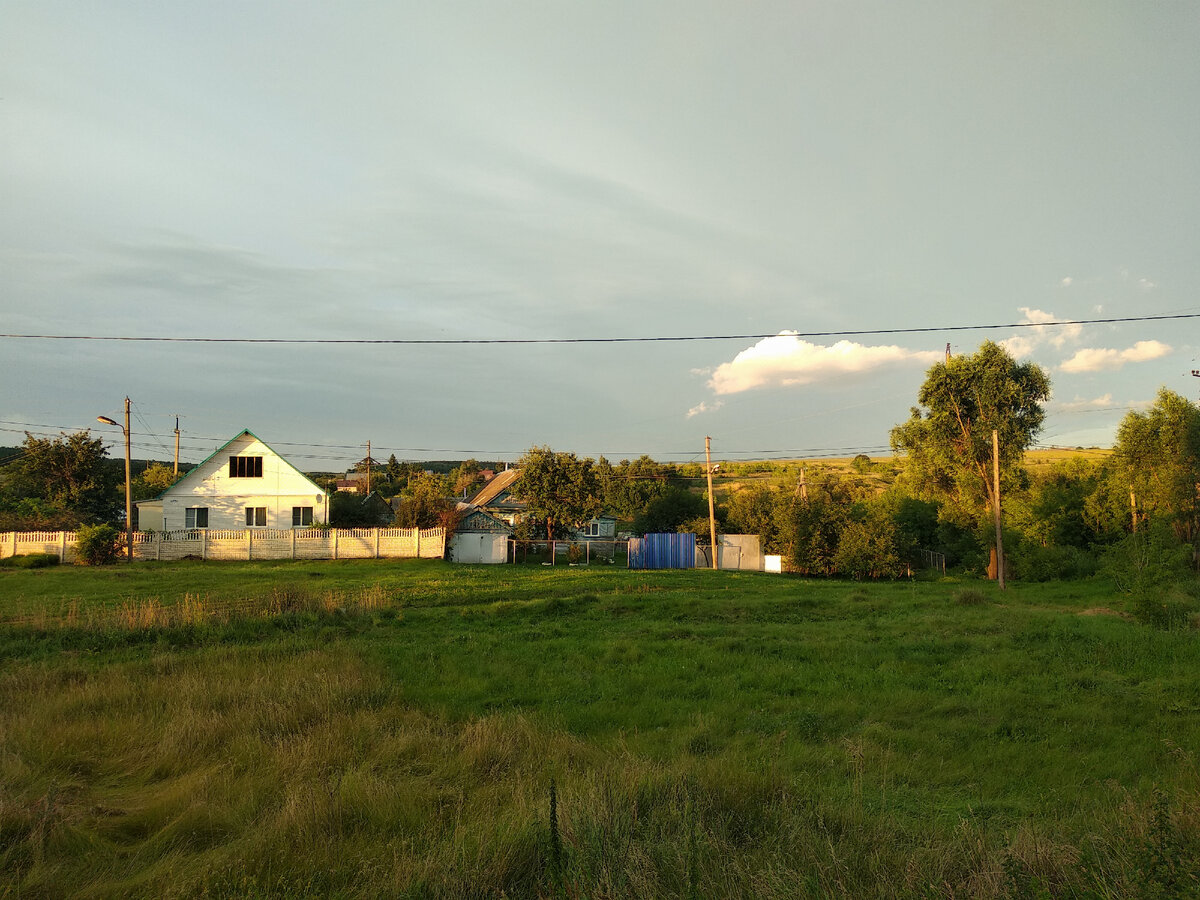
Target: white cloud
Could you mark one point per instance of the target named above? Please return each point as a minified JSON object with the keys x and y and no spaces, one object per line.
{"x":786,"y":359}
{"x":1068,"y":281}
{"x":1095,"y":359}
{"x":1079,"y":404}
{"x":704,"y":407}
{"x":1038,"y":333}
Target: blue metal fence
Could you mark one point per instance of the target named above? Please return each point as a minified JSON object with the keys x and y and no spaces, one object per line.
{"x":663,"y":551}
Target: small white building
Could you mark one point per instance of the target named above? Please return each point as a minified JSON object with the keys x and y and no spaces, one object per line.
{"x":244,"y":484}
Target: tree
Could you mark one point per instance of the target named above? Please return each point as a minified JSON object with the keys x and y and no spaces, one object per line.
{"x":153,"y":480}
{"x":425,"y":502}
{"x":67,"y":474}
{"x":948,"y":439}
{"x":670,"y":512}
{"x":1157,"y":455}
{"x":559,"y":489}
{"x":629,"y":487}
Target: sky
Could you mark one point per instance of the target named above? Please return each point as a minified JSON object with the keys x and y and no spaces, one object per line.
{"x":467,"y":171}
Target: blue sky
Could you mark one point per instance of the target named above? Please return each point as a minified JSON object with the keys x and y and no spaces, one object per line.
{"x":559,"y":170}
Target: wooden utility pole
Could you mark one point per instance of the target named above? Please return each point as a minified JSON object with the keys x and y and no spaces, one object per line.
{"x":1133,"y":508}
{"x":712,"y":516}
{"x":176,"y":446}
{"x":947,"y":352}
{"x":996,"y":482}
{"x":368,"y":468}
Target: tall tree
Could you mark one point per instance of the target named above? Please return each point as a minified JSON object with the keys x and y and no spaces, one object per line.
{"x":1157,"y":455}
{"x":560,"y":489}
{"x":948,"y":439}
{"x":68,"y":473}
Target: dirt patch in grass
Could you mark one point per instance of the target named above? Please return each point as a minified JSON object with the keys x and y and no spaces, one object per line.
{"x":1105,"y":611}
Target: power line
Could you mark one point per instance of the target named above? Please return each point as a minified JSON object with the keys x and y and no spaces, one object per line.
{"x":597,"y":340}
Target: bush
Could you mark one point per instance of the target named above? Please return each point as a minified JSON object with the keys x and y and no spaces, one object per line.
{"x":97,"y":545}
{"x":1032,"y":562}
{"x":30,"y":561}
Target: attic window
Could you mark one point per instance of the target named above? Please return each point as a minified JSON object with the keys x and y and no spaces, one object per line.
{"x":245,"y":467}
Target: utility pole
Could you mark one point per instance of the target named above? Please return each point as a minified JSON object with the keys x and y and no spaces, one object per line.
{"x":712,"y":517}
{"x":996,"y":481}
{"x":176,"y":446}
{"x":947,"y":352}
{"x":128,"y":482}
{"x":368,"y":468}
{"x":1133,"y":508}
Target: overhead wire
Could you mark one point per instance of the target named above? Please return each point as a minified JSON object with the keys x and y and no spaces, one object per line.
{"x":600,"y":340}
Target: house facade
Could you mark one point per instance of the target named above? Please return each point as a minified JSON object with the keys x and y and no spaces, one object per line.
{"x":244,"y":484}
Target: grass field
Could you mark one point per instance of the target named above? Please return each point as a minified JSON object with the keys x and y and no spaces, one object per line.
{"x":366,"y":729}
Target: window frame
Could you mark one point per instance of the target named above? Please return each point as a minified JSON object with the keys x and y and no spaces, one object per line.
{"x":252,"y":517}
{"x":298,"y":513}
{"x":194,"y":513}
{"x":245,"y":466}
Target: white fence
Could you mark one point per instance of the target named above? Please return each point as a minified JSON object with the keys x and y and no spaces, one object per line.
{"x":250,"y":543}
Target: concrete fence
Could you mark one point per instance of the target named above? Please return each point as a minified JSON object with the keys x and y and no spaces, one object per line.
{"x":250,"y":543}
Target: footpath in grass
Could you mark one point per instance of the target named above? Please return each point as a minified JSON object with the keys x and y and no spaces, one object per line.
{"x":382,"y":729}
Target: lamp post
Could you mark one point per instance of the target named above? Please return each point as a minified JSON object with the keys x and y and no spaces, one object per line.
{"x":128,"y":484}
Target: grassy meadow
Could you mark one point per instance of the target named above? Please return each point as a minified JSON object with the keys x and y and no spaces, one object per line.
{"x":415,"y":729}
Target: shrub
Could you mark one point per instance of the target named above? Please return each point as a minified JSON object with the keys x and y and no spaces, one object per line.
{"x":97,"y":545}
{"x":1032,"y":562}
{"x":30,"y":561}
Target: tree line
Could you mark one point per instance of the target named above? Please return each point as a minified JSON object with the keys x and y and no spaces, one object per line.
{"x":937,"y":494}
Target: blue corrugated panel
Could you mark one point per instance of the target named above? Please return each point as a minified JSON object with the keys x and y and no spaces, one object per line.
{"x":663,"y":551}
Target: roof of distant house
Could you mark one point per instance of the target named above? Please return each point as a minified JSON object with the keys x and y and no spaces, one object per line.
{"x":494,"y":488}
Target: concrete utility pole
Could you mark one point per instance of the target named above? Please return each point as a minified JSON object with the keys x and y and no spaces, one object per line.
{"x":176,"y":445}
{"x":996,"y":481}
{"x":128,"y":482}
{"x":712,"y":517}
{"x":368,"y":468}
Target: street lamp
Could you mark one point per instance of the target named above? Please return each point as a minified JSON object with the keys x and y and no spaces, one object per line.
{"x":128,"y":484}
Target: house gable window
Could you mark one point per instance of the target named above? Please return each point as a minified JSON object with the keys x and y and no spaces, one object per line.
{"x":302,"y":516}
{"x":591,"y":529}
{"x":195,"y":517}
{"x":256,"y":516}
{"x":245,"y":467}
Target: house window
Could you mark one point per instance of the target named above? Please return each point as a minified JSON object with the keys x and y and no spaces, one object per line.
{"x":256,"y":516}
{"x":591,"y":529}
{"x":195,"y":517}
{"x":245,"y":467}
{"x":301,"y":516}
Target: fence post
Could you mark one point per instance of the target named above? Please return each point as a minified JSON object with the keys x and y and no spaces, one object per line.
{"x":418,"y":531}
{"x":249,"y":544}
{"x":14,"y":544}
{"x":62,"y":546}
{"x":334,"y":530}
{"x":157,"y":545}
{"x":204,"y":544}
{"x":377,"y":542}
{"x":293,"y":543}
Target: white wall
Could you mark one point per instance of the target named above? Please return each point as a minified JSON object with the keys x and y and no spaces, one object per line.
{"x":279,"y":489}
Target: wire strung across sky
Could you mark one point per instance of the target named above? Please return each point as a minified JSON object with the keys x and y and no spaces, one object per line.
{"x":599,"y":340}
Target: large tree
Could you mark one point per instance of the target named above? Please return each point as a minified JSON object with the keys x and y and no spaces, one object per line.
{"x":1157,"y":457}
{"x":67,"y":474}
{"x":948,"y":439}
{"x":559,"y":489}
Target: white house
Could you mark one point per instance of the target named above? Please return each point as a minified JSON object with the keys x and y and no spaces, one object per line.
{"x":244,"y":484}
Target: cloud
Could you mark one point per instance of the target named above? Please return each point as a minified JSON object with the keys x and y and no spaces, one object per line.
{"x":786,"y":359}
{"x":1080,"y":405}
{"x":704,"y":407}
{"x":1093,"y":359}
{"x":1039,"y":334}
{"x":1068,"y":281}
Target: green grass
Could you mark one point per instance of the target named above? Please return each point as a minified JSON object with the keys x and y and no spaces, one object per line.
{"x":368,"y":728}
